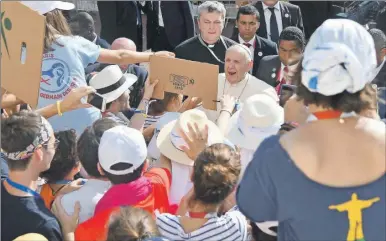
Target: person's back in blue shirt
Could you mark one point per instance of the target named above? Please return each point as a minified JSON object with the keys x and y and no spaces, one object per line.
{"x":274,"y":188}
{"x":63,"y":70}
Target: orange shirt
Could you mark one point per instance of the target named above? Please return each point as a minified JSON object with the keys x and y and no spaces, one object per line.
{"x":95,"y":229}
{"x":47,"y":195}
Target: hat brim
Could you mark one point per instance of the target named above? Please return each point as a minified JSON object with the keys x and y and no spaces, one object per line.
{"x":65,"y":6}
{"x":248,"y":140}
{"x":113,"y":95}
{"x":43,"y":7}
{"x":167,"y":149}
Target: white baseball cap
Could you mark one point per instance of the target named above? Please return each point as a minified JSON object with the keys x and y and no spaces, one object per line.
{"x":43,"y":7}
{"x":122,"y":144}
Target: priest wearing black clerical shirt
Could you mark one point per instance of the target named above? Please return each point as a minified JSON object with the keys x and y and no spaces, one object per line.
{"x":209,"y":46}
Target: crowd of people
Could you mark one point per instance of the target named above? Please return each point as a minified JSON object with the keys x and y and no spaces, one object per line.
{"x":295,"y":149}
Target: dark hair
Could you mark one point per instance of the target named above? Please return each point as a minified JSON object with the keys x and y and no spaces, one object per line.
{"x":120,"y":179}
{"x":84,"y":26}
{"x":248,"y":10}
{"x":215,"y":173}
{"x":345,"y":101}
{"x":379,"y":38}
{"x":65,"y":158}
{"x":293,"y":34}
{"x":56,"y":24}
{"x":88,"y":144}
{"x":17,"y":133}
{"x":131,"y":224}
{"x":159,"y":106}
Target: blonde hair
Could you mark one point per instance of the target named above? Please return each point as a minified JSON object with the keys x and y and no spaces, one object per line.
{"x":56,"y":24}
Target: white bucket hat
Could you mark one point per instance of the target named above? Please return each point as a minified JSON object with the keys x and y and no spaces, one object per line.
{"x":43,"y":7}
{"x":111,"y":83}
{"x":169,"y":139}
{"x":260,"y":117}
{"x":122,"y":144}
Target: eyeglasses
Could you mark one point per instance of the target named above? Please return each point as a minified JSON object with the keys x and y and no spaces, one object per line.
{"x":56,"y":144}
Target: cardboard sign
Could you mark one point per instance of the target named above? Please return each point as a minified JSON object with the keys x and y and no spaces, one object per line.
{"x":22,"y":35}
{"x":185,"y":77}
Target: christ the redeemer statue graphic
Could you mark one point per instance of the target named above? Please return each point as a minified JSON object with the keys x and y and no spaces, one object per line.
{"x":354,"y":209}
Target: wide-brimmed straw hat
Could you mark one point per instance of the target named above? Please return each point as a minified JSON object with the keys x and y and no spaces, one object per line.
{"x":169,"y":140}
{"x":260,"y":117}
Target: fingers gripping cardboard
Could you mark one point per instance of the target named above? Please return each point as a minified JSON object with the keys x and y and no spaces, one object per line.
{"x":185,"y":77}
{"x":22,"y":36}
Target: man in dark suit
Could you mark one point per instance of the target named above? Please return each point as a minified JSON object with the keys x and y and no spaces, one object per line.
{"x":169,"y":23}
{"x":380,"y":48}
{"x":275,"y":70}
{"x":82,"y":24}
{"x":121,"y":19}
{"x":248,"y":21}
{"x":285,"y":15}
{"x":314,"y":13}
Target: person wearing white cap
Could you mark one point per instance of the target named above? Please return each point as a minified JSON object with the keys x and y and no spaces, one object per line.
{"x":236,"y":81}
{"x":326,"y":179}
{"x":260,"y":117}
{"x":122,"y":159}
{"x":64,"y":60}
{"x":172,"y":145}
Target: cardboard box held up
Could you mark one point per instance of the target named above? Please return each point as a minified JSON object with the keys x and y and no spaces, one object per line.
{"x":22,"y":38}
{"x":185,"y":77}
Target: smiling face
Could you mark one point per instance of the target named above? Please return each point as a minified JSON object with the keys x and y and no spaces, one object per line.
{"x":211,"y":26}
{"x":236,"y":65}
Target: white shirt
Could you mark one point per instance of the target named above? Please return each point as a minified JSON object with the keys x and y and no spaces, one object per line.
{"x":251,"y":42}
{"x":160,"y":18}
{"x":291,"y":68}
{"x":182,"y":186}
{"x":249,"y":86}
{"x":88,"y":196}
{"x":267,"y":15}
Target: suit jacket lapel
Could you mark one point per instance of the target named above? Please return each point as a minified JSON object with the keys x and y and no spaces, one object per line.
{"x":285,"y":15}
{"x":256,"y":56}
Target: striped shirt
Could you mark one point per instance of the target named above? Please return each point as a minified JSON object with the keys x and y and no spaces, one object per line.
{"x":151,"y":120}
{"x":230,"y":226}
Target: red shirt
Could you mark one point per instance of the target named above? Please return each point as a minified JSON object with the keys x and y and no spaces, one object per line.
{"x":156,"y":198}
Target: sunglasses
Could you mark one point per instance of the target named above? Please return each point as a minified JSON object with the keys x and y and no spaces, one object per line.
{"x":56,"y":144}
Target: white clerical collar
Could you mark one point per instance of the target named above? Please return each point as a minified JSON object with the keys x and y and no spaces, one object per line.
{"x":251,"y":42}
{"x":95,"y":39}
{"x":277,"y":6}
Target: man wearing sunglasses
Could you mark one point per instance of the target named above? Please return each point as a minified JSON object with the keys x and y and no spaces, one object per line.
{"x":28,"y":145}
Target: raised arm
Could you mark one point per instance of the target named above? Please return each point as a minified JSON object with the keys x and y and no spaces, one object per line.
{"x":123,"y":57}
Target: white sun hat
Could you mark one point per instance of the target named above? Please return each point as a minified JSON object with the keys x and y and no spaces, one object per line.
{"x":111,"y":83}
{"x":260,"y":117}
{"x":169,"y":140}
{"x":43,"y":7}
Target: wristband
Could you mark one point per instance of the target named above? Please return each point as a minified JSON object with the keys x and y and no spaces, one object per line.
{"x":58,"y":108}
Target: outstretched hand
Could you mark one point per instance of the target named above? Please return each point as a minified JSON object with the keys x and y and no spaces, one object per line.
{"x":68,"y":222}
{"x":196,"y":140}
{"x":72,"y":101}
